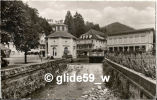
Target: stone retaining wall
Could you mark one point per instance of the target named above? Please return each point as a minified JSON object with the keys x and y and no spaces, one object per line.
{"x":131,"y":84}
{"x":23,"y":80}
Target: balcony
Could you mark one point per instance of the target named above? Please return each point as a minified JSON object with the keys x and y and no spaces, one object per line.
{"x":85,"y":46}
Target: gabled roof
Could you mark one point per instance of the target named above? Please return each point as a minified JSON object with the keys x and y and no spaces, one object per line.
{"x":92,"y":31}
{"x":132,"y":31}
{"x":95,"y":34}
{"x":62,"y":34}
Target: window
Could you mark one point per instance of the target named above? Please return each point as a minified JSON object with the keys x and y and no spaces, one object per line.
{"x":120,"y":40}
{"x":86,"y":36}
{"x":54,"y":51}
{"x":66,"y":51}
{"x":62,"y":28}
{"x":90,"y":36}
{"x":136,"y":36}
{"x":58,"y":28}
{"x":142,"y":35}
{"x":43,"y":46}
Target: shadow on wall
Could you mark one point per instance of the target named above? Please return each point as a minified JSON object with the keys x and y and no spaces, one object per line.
{"x":121,"y":86}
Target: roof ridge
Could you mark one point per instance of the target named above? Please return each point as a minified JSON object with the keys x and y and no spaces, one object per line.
{"x":133,"y":31}
{"x":61,"y":34}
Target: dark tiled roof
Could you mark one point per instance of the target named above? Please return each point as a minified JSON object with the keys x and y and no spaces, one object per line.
{"x":132,"y":31}
{"x":62,"y":34}
{"x":95,"y":34}
{"x":92,"y":31}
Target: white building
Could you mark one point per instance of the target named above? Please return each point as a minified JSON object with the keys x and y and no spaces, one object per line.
{"x":61,"y":41}
{"x":42,"y":46}
{"x":14,"y":52}
{"x":90,"y":41}
{"x":131,"y":40}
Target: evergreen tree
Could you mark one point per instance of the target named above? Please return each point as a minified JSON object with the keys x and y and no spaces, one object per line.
{"x":96,"y":27}
{"x":79,"y":24}
{"x":90,"y":25}
{"x":70,"y":22}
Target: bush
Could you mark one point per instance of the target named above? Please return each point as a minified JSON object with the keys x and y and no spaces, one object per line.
{"x":4,"y":62}
{"x":143,"y":63}
{"x":51,"y":57}
{"x":67,"y":56}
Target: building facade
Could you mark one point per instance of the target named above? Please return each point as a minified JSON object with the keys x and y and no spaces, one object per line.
{"x":61,"y":42}
{"x":130,"y":41}
{"x":42,"y":45}
{"x":89,"y":41}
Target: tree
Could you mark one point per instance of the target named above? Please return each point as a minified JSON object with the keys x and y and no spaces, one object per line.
{"x":70,"y":22}
{"x":79,"y":24}
{"x":46,"y":27}
{"x":11,"y":16}
{"x":96,"y":27}
{"x":23,"y":25}
{"x":90,"y":25}
{"x":29,"y":33}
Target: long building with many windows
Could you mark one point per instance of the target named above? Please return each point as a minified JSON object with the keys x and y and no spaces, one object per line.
{"x":130,"y":41}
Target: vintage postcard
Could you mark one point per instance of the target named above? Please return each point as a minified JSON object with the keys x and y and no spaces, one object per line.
{"x":78,"y":50}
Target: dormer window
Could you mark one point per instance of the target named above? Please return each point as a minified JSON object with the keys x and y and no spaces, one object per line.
{"x":86,"y":36}
{"x":90,"y":36}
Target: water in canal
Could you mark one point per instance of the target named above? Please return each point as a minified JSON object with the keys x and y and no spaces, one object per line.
{"x":71,"y":90}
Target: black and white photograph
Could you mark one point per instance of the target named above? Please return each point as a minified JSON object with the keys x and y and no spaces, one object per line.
{"x":78,"y":50}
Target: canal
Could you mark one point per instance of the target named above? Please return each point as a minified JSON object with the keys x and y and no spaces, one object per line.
{"x":77,"y":90}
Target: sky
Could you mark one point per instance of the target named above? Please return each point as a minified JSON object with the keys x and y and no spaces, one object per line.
{"x":136,"y":14}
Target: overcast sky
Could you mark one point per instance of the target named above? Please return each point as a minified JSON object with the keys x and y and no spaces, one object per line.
{"x":137,"y":14}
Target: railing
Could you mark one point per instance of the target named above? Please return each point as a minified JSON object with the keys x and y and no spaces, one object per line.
{"x":143,"y":63}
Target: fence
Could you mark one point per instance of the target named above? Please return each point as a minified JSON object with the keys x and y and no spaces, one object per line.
{"x":143,"y":63}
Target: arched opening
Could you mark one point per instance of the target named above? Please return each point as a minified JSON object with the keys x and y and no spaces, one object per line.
{"x":54,"y":51}
{"x":66,"y":51}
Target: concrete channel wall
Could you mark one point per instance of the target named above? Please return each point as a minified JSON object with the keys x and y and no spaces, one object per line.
{"x":20,"y":81}
{"x":133,"y":85}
